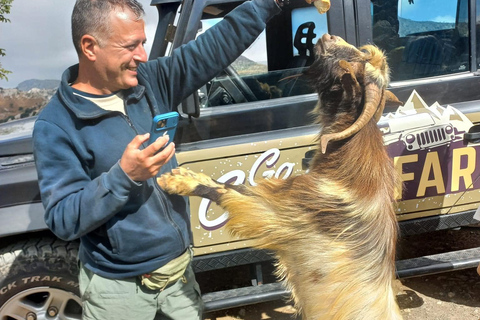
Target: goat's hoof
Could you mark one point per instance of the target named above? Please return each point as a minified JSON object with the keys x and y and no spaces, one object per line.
{"x":184,"y":182}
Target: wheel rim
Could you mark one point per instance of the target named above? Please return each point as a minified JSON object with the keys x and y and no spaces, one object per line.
{"x":42,"y":303}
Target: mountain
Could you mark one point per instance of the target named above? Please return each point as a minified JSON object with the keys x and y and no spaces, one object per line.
{"x":27,"y":85}
{"x":18,"y":104}
{"x":408,"y":26}
{"x":245,"y":66}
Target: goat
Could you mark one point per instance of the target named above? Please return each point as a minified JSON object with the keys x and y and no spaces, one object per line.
{"x":333,"y":230}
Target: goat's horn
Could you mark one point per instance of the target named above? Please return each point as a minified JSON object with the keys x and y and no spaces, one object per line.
{"x":373,"y":98}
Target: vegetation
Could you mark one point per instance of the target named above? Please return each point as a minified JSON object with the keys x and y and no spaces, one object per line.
{"x":5,"y":6}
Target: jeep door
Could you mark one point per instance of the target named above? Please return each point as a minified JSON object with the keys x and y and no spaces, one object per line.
{"x":253,"y":120}
{"x":432,"y":54}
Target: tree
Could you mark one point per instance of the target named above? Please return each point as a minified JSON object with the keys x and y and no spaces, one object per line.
{"x":5,"y":6}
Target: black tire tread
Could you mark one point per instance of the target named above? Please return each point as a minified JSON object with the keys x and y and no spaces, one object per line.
{"x":30,"y":254}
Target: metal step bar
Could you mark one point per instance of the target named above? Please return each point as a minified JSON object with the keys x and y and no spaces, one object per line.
{"x":244,"y":296}
{"x":438,"y":263}
{"x":427,"y":265}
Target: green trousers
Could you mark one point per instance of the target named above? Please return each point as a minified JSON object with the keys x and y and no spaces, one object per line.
{"x":127,"y":299}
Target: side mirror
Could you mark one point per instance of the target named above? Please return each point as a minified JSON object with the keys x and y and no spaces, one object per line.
{"x":190,"y":106}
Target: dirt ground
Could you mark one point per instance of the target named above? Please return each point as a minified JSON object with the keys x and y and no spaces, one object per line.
{"x":447,"y":296}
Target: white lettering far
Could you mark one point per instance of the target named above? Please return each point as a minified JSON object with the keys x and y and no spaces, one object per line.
{"x":48,"y":278}
{"x":269,"y":158}
{"x":235,"y":177}
{"x":8,"y":287}
{"x":286,"y":169}
{"x":40,"y":278}
{"x":30,"y":279}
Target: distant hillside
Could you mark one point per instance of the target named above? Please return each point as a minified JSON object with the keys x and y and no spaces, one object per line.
{"x":408,"y":26}
{"x":27,"y":85}
{"x":245,"y":66}
{"x":17,"y":104}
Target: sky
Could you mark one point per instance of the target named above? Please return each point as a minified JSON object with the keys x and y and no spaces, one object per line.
{"x":435,"y":10}
{"x":38,"y":43}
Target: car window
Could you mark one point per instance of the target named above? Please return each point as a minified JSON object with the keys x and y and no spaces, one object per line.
{"x":422,"y":38}
{"x":253,"y":77}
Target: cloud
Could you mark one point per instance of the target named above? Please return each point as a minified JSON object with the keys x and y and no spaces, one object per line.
{"x":38,"y":42}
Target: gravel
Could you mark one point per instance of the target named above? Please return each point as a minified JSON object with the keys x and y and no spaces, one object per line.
{"x":447,"y":296}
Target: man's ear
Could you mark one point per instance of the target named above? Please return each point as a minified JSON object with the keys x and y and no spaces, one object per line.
{"x":89,"y":44}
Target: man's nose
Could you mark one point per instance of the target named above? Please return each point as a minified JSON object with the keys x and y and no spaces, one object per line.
{"x":140,"y":54}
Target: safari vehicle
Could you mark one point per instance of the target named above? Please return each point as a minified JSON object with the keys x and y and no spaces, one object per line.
{"x":252,"y":122}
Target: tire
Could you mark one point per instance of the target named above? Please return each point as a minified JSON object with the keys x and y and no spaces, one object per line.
{"x":39,"y":280}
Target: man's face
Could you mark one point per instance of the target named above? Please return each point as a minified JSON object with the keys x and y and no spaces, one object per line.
{"x":120,"y":53}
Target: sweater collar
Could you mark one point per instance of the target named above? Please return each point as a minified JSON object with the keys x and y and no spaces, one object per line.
{"x":83,"y":108}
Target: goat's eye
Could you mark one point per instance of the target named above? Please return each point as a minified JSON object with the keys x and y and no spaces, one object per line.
{"x":365,"y":51}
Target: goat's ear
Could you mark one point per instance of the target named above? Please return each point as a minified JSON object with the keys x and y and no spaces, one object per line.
{"x":349,"y":68}
{"x":345,"y":65}
{"x":349,"y":79}
{"x":388,"y":99}
{"x":392,"y":100}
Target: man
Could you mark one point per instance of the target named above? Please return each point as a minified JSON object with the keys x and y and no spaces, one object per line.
{"x":97,"y":173}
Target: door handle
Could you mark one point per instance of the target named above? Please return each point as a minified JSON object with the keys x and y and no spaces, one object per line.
{"x":308,"y":157}
{"x":473,"y":134}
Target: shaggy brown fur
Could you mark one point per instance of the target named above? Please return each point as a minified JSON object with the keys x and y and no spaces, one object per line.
{"x":333,"y":229}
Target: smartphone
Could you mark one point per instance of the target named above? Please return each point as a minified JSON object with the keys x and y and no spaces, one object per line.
{"x":164,"y":124}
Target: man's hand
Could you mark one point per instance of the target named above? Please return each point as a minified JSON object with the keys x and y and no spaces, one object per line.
{"x":141,"y":165}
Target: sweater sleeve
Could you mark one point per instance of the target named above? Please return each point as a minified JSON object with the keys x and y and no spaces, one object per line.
{"x":74,"y":203}
{"x":193,"y":64}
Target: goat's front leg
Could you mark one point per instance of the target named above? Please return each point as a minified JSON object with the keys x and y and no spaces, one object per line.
{"x":249,"y":216}
{"x":188,"y":183}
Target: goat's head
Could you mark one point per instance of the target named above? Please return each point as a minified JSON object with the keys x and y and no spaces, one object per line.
{"x":351,"y":85}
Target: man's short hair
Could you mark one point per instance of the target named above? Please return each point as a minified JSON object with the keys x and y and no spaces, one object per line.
{"x":92,"y":17}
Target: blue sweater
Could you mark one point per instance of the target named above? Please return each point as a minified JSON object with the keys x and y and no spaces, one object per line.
{"x":128,"y":228}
